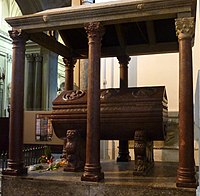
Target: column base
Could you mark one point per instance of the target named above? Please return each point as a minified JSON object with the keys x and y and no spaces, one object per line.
{"x":186,"y":185}
{"x":92,"y":177}
{"x":186,"y":178}
{"x":123,"y":154}
{"x":92,"y":173}
{"x":123,"y":158}
{"x":15,"y":172}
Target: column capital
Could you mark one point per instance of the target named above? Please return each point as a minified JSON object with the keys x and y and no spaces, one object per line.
{"x":18,"y":35}
{"x":185,"y":27}
{"x":69,"y":68}
{"x":9,"y":58}
{"x":38,"y":57}
{"x":93,"y":28}
{"x":69,"y":62}
{"x":30,"y":57}
{"x":124,"y":59}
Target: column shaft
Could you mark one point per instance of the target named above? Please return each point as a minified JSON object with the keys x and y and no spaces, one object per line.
{"x":29,"y":81}
{"x":69,"y":73}
{"x":15,"y":162}
{"x":185,"y":172}
{"x":92,"y":169}
{"x":38,"y":83}
{"x":123,"y":61}
{"x":123,"y":154}
{"x":1,"y":95}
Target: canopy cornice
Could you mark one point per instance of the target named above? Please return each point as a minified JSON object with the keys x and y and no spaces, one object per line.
{"x":107,"y":13}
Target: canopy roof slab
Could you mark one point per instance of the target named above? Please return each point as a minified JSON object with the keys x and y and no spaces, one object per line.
{"x":132,"y":27}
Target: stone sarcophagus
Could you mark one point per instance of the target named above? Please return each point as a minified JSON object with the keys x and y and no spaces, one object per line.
{"x":138,"y":114}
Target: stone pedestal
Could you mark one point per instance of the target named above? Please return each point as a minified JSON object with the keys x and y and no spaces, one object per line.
{"x":119,"y":182}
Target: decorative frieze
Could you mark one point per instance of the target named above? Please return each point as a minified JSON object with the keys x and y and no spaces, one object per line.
{"x":73,"y":95}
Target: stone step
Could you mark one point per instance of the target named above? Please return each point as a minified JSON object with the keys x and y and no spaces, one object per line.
{"x":119,"y":180}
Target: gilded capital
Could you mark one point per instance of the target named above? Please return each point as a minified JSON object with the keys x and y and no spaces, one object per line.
{"x":185,"y":27}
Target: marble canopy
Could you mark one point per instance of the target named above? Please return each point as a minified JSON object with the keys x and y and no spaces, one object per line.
{"x":114,"y":29}
{"x":132,"y":27}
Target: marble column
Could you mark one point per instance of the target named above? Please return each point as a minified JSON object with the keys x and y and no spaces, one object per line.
{"x":29,"y":81}
{"x":186,"y":167}
{"x":69,"y":72}
{"x":92,"y":169}
{"x":123,"y":154}
{"x":38,"y":83}
{"x":15,"y":161}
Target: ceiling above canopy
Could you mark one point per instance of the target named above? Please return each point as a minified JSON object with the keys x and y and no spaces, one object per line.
{"x":33,"y":6}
